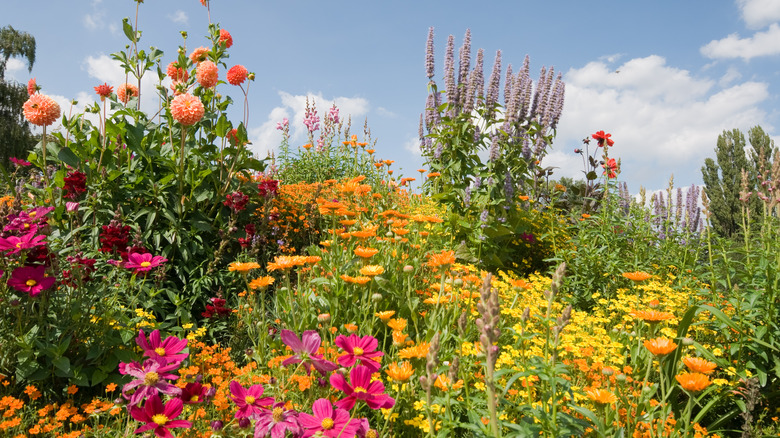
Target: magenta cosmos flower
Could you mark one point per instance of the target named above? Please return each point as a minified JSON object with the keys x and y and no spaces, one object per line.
{"x":248,"y":400}
{"x":30,"y":279}
{"x":359,"y":349}
{"x":159,"y":417}
{"x":143,"y":262}
{"x":168,"y":349}
{"x":329,"y":422}
{"x":151,"y":378}
{"x":276,"y":422}
{"x":305,"y":350}
{"x":360,"y":387}
{"x":14,"y":244}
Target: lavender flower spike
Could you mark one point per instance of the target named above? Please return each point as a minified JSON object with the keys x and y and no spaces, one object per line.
{"x":429,"y":59}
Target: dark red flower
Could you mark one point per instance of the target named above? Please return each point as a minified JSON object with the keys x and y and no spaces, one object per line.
{"x":75,"y":184}
{"x":114,"y":238}
{"x":268,"y":188}
{"x":216,"y":308}
{"x":236,"y":201}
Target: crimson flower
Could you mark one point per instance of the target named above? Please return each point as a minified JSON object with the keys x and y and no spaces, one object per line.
{"x":327,"y":421}
{"x":268,"y":187}
{"x":151,"y":378}
{"x":602,"y":138}
{"x":248,"y":399}
{"x":114,"y":237}
{"x":305,"y":350}
{"x":143,"y":262}
{"x":30,"y":279}
{"x":159,"y":417}
{"x":168,"y":349}
{"x":610,"y":169}
{"x":217,"y":307}
{"x":276,"y":422}
{"x":193,"y":392}
{"x":359,"y":349}
{"x":236,"y":201}
{"x":16,"y":244}
{"x":75,"y":184}
{"x":361,"y":388}
{"x":104,"y":91}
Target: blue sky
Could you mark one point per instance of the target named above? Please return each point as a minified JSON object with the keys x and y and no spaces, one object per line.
{"x":664,"y":77}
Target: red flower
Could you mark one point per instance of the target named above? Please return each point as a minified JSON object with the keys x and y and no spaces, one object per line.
{"x":236,"y":201}
{"x":610,"y":168}
{"x":601,"y":137}
{"x":104,"y":91}
{"x":32,"y":87}
{"x":30,"y":279}
{"x":268,"y":187}
{"x":75,"y":184}
{"x":224,"y":37}
{"x":159,"y":417}
{"x":217,"y":307}
{"x":237,"y":75}
{"x":114,"y":238}
{"x":193,"y":392}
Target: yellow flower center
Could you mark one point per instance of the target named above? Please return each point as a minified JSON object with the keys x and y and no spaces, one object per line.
{"x":249,"y":399}
{"x":195,"y":399}
{"x":277,"y":415}
{"x":151,"y":378}
{"x":145,"y":264}
{"x":33,"y":213}
{"x":160,"y":419}
{"x":327,"y":423}
{"x":359,"y":389}
{"x":19,"y":245}
{"x":357,"y":351}
{"x":31,"y":282}
{"x":160,"y":351}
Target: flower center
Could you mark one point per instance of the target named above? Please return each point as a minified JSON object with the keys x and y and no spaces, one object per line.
{"x":151,"y":378}
{"x":19,"y":245}
{"x":327,"y":423}
{"x":277,"y":415}
{"x":160,"y":419}
{"x":32,"y":213}
{"x":145,"y":264}
{"x":194,"y":399}
{"x":249,"y":399}
{"x":160,"y":351}
{"x":31,"y":282}
{"x":359,"y":389}
{"x":357,"y":351}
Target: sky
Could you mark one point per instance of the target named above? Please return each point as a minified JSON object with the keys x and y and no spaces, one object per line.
{"x":665,"y":78}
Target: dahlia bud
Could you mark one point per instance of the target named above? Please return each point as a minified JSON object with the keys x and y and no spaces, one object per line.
{"x":251,"y":76}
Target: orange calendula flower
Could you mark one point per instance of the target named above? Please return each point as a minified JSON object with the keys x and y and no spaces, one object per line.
{"x":284,"y":263}
{"x":652,"y":316}
{"x":660,"y":346}
{"x":261,"y":283}
{"x":693,"y":382}
{"x":444,"y":258}
{"x":372,"y":270}
{"x":352,"y":328}
{"x":41,"y":110}
{"x":384,"y":316}
{"x":523,"y":197}
{"x":434,"y":174}
{"x":400,"y":372}
{"x":438,"y":299}
{"x":243,"y":267}
{"x":397,"y":324}
{"x":637,"y":276}
{"x":415,"y":352}
{"x":365,"y":252}
{"x":699,"y":365}
{"x":601,"y":396}
{"x":399,"y":338}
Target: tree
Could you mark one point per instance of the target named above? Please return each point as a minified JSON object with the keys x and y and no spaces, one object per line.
{"x":16,"y":139}
{"x":723,"y":179}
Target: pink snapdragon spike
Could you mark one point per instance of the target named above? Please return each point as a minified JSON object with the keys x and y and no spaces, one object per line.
{"x":327,"y":421}
{"x":276,"y":422}
{"x":249,"y":401}
{"x":362,"y":349}
{"x":168,"y":349}
{"x":151,"y":378}
{"x":159,"y":417}
{"x":360,"y":387}
{"x":14,"y":244}
{"x":30,"y":279}
{"x":305,"y":351}
{"x":143,"y":262}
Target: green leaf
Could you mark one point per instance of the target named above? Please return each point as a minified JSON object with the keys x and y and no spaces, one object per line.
{"x":128,"y":29}
{"x":222,"y":126}
{"x":68,"y":157}
{"x":62,"y":363}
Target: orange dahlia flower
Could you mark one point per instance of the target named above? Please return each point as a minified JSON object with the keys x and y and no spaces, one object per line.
{"x":104,"y":91}
{"x":237,"y":75}
{"x":187,"y":109}
{"x":176,"y":73}
{"x":125,"y":91}
{"x":693,"y":382}
{"x":41,"y":110}
{"x":699,"y":365}
{"x":660,"y":346}
{"x":199,"y":55}
{"x":207,"y":74}
{"x":225,"y":37}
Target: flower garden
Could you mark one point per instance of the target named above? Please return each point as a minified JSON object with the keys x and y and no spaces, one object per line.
{"x":158,"y":279}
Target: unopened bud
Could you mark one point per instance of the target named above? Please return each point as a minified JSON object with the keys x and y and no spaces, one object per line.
{"x":408,"y":269}
{"x":377,"y":297}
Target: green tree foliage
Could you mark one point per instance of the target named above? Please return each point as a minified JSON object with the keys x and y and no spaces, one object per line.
{"x":723,"y":178}
{"x":16,"y":139}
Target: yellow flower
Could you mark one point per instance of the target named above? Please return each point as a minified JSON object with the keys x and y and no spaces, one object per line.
{"x":371,"y":270}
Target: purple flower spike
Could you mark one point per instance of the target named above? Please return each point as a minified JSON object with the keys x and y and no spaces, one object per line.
{"x":305,"y":351}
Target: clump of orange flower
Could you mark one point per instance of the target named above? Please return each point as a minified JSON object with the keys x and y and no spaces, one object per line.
{"x":400,"y":372}
{"x":693,"y":382}
{"x":652,"y":316}
{"x":699,"y":365}
{"x":283,"y":263}
{"x":243,"y":267}
{"x":636,"y":276}
{"x":660,"y":346}
{"x":442,"y":259}
{"x":415,"y":351}
{"x":41,"y":110}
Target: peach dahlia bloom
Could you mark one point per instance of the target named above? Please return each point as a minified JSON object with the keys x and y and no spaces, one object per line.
{"x":225,"y":37}
{"x":199,"y":55}
{"x":207,"y":74}
{"x":176,"y":73}
{"x":237,"y":74}
{"x":187,"y":109}
{"x":41,"y":110}
{"x":125,"y":91}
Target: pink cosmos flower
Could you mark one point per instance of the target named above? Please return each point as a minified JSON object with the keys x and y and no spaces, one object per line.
{"x":30,"y":279}
{"x":16,"y":244}
{"x":329,"y":422}
{"x":276,"y":422}
{"x":359,"y":349}
{"x":151,"y":378}
{"x":159,"y":417}
{"x":143,"y":262}
{"x":361,"y":388}
{"x":168,"y":349}
{"x":20,"y":162}
{"x":248,"y":400}
{"x":305,"y":350}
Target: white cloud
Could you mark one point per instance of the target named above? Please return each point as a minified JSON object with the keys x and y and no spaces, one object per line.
{"x":663,"y":120}
{"x":412,"y":145}
{"x":94,"y":21}
{"x":731,"y":75}
{"x":179,"y":17}
{"x":384,"y":112}
{"x":16,"y":69}
{"x":759,"y":13}
{"x":763,"y":43}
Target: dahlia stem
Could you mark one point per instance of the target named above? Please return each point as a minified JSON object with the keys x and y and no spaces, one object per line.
{"x":181,"y":170}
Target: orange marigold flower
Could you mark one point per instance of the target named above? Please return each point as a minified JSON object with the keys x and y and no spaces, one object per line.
{"x":365,"y":252}
{"x":32,"y":392}
{"x":243,"y":267}
{"x":416,"y":351}
{"x":352,"y":328}
{"x":111,"y":387}
{"x":125,"y":91}
{"x":652,"y":316}
{"x":397,"y":324}
{"x":72,"y":389}
{"x":237,"y":75}
{"x":385,"y":315}
{"x":601,"y":396}
{"x":225,"y":37}
{"x":699,"y":365}
{"x":660,"y":346}
{"x":41,"y":110}
{"x":434,"y":174}
{"x":399,"y":338}
{"x":207,"y":74}
{"x":284,"y":263}
{"x":444,"y":258}
{"x":187,"y":109}
{"x":261,"y":283}
{"x":400,"y":372}
{"x":372,"y":270}
{"x":693,"y":382}
{"x":199,"y":55}
{"x":104,"y":91}
{"x":637,"y":276}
